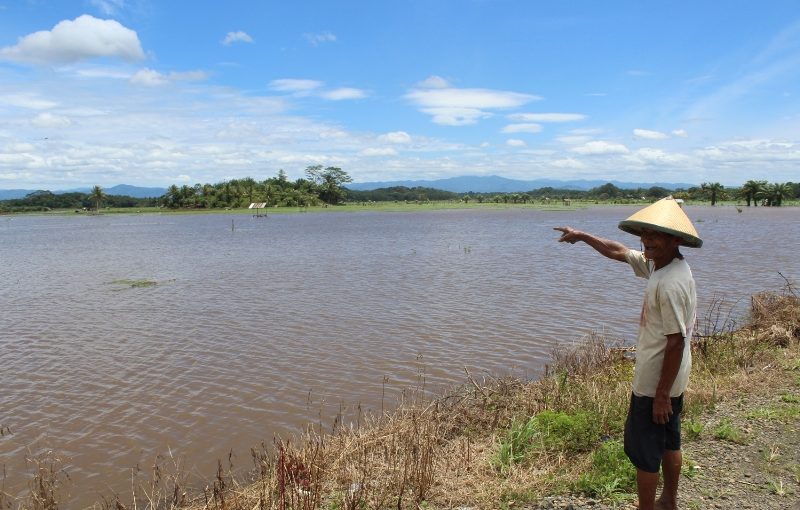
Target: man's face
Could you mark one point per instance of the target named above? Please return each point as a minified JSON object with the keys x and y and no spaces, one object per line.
{"x":659,"y":246}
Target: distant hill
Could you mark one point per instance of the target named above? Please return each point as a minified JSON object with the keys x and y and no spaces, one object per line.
{"x":119,"y":189}
{"x":497,"y":184}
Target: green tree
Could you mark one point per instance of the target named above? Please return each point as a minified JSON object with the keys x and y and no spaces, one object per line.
{"x":777,"y":192}
{"x":752,"y":191}
{"x":328,"y":182}
{"x":712,"y":189}
{"x":98,"y":195}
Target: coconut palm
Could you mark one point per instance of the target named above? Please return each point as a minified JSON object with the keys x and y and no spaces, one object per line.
{"x":752,"y":190}
{"x":712,"y":188}
{"x":97,"y":195}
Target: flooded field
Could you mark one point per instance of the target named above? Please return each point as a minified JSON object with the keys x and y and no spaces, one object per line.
{"x":122,"y":337}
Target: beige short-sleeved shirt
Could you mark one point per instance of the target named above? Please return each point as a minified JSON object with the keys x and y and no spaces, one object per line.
{"x":670,"y":306}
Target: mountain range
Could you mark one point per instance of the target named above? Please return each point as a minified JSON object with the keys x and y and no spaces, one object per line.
{"x":119,"y":189}
{"x":497,"y":184}
{"x":463,"y":184}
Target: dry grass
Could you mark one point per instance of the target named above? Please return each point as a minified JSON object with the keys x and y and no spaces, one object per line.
{"x":442,"y":453}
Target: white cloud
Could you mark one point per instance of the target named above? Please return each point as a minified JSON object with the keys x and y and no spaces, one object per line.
{"x":397,"y":137}
{"x":29,"y":101}
{"x":648,"y":134}
{"x":458,"y":107}
{"x":456,"y":116}
{"x":573,"y":139}
{"x":468,"y":98}
{"x":680,"y":133}
{"x":83,"y":38}
{"x":434,"y":82}
{"x":344,"y":93}
{"x":320,"y":38}
{"x":661,"y":157}
{"x":600,"y":148}
{"x":232,"y":37}
{"x":149,"y":78}
{"x":50,"y":120}
{"x":512,"y":142}
{"x":569,"y":163}
{"x":385,"y":151}
{"x":522,"y":128}
{"x":295,"y":85}
{"x":546,"y":117}
{"x":752,"y":152}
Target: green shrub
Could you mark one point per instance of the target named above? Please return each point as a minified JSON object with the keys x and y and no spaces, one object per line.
{"x":612,"y":476}
{"x":692,"y":429}
{"x":548,"y":431}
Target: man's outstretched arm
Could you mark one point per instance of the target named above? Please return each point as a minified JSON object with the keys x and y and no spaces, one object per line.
{"x":611,"y":249}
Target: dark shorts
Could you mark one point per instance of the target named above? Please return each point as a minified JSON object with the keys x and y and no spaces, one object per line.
{"x":646,"y":440}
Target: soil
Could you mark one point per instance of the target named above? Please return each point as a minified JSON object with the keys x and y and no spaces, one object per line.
{"x":755,"y":465}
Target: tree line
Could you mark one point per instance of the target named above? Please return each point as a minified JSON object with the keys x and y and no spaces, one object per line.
{"x":327,"y":186}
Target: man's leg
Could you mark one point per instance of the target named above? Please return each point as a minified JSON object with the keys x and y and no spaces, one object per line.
{"x":671,"y":465}
{"x":646,"y":483}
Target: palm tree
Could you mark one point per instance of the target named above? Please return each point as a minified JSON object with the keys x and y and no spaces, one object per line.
{"x":777,"y":192}
{"x":752,"y":190}
{"x":98,"y":195}
{"x":712,"y":188}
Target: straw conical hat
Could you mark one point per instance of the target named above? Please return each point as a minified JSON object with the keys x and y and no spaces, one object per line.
{"x":665,"y":216}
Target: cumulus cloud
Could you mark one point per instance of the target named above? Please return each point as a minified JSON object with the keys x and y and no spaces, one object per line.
{"x":295,"y":85}
{"x":658,"y":156}
{"x":681,"y":133}
{"x":433,"y":82}
{"x":647,"y":134}
{"x":600,"y":148}
{"x":523,"y":128}
{"x":397,"y":137}
{"x":546,"y":117}
{"x":513,"y":142}
{"x":70,"y":41}
{"x":569,"y":163}
{"x":344,"y":93}
{"x":385,"y":151}
{"x":320,"y":38}
{"x":233,"y":37}
{"x":149,"y":78}
{"x":457,"y":107}
{"x":50,"y":120}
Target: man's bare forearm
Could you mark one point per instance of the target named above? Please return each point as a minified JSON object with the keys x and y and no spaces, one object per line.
{"x":673,"y":356}
{"x":606,"y":247}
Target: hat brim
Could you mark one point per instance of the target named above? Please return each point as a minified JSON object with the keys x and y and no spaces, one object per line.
{"x":636,"y":227}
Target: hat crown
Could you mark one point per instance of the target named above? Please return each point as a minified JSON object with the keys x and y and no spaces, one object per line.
{"x":665,"y":216}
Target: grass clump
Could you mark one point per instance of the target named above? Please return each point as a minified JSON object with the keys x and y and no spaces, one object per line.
{"x":548,"y":431}
{"x":726,"y":431}
{"x":611,"y":476}
{"x":135,"y":283}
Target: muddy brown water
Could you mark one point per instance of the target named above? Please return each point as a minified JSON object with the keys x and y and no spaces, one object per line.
{"x":261,"y":330}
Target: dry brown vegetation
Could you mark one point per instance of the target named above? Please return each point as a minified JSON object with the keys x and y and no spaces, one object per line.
{"x":446,"y":452}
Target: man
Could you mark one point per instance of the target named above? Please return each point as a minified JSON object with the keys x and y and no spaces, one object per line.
{"x":663,"y":354}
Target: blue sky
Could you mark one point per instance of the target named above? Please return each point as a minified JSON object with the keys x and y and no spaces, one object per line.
{"x":154,"y":93}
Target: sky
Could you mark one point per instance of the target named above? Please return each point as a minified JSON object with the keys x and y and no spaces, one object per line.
{"x":161,"y":92}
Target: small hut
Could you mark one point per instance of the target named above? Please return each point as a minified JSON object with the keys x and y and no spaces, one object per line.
{"x":257,"y":206}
